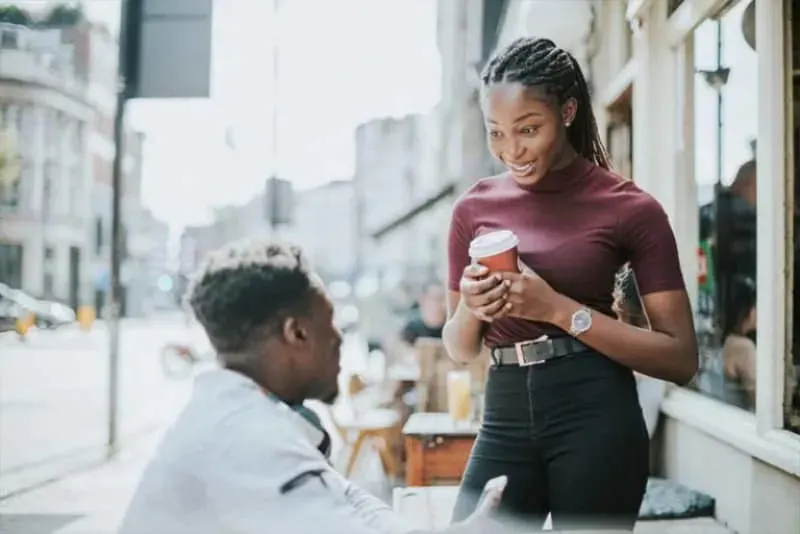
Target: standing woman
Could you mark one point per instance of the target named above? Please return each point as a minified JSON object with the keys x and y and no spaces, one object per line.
{"x":568,"y":431}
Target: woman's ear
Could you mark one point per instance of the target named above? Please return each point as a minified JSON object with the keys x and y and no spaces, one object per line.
{"x":569,"y":110}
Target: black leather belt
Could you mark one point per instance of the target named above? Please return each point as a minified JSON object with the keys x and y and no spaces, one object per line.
{"x":537,"y":351}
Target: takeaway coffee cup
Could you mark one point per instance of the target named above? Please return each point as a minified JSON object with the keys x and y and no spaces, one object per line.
{"x":496,"y":250}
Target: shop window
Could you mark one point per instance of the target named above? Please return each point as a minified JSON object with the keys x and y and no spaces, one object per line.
{"x":9,"y":39}
{"x":49,"y":286}
{"x":793,"y":365}
{"x":48,"y":197}
{"x":10,"y":172}
{"x":725,"y":123}
{"x":11,"y":264}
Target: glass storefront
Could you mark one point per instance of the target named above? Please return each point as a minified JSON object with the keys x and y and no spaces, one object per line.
{"x":725,"y":133}
{"x":793,"y":256}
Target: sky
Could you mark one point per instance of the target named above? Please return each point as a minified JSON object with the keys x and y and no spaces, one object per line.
{"x":342,"y":62}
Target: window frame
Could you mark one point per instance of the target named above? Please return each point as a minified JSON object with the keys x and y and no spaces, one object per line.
{"x":762,"y":435}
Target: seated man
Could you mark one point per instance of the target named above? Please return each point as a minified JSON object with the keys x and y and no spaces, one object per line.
{"x":243,"y":457}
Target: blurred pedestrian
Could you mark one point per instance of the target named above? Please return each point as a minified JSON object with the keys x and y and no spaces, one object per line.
{"x":430,"y":316}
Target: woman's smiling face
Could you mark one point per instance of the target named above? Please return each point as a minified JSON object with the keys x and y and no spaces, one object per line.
{"x":526,"y":130}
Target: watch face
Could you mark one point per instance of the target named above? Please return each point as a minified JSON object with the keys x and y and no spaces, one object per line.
{"x":581,"y":321}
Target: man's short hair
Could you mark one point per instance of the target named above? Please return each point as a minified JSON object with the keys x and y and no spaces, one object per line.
{"x":745,"y":175}
{"x":246,"y":289}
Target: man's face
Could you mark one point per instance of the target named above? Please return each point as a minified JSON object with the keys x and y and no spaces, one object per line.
{"x":320,"y":363}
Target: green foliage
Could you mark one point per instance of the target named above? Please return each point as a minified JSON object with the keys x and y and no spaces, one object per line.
{"x":63,"y":15}
{"x":60,"y":16}
{"x":14,"y":15}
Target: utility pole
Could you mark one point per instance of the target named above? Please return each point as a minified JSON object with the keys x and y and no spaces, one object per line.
{"x":149,"y":66}
{"x":115,"y":293}
{"x":275,"y":84}
{"x":273,"y":187}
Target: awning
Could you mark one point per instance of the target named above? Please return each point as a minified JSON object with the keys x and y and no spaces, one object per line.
{"x":422,"y":207}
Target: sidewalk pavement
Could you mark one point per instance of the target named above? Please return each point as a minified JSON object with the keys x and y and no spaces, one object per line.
{"x":89,"y":502}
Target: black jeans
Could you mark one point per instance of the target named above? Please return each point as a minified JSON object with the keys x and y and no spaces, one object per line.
{"x":570,"y":436}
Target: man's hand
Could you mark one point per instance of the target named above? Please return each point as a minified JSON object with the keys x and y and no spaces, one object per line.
{"x":480,"y":521}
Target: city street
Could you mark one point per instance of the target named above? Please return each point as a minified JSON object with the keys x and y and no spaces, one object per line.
{"x":54,"y":395}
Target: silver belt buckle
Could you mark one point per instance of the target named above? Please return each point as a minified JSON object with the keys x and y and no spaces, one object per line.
{"x":536,"y":343}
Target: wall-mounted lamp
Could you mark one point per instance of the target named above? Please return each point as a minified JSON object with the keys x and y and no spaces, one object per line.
{"x":749,"y":25}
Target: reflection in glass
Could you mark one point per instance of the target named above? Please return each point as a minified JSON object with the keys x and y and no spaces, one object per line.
{"x":793,"y":365}
{"x":725,"y":106}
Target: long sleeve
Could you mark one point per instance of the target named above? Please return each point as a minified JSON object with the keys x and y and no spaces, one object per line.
{"x":373,"y":511}
{"x":236,"y":462}
{"x":322,"y":504}
{"x":285,"y":485}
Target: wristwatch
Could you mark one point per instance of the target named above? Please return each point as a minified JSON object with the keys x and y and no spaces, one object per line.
{"x":581,"y":322}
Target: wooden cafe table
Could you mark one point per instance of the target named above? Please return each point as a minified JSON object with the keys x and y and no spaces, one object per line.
{"x":437,"y":448}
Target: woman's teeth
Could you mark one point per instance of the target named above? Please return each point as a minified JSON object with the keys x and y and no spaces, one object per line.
{"x":524,"y":169}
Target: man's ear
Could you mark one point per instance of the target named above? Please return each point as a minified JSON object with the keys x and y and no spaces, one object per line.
{"x":294,"y":332}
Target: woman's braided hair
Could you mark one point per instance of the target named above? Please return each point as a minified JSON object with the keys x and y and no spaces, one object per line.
{"x":538,"y":62}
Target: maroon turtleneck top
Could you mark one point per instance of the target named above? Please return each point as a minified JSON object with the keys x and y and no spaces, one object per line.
{"x":577,"y":226}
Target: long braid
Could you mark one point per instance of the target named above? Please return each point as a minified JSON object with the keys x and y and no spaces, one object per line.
{"x":538,"y":62}
{"x":584,"y":134}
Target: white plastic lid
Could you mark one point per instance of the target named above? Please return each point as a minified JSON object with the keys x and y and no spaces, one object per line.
{"x":492,"y":243}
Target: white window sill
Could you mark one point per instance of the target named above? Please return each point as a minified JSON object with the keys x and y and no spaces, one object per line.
{"x":735,"y":427}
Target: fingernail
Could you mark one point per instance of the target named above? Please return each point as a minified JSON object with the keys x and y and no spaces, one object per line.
{"x":508,"y":306}
{"x":498,"y":278}
{"x":508,"y":283}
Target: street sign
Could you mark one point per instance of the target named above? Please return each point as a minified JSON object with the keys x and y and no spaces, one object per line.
{"x":168,"y":49}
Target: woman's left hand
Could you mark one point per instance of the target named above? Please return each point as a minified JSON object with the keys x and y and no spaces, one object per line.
{"x":530,"y":296}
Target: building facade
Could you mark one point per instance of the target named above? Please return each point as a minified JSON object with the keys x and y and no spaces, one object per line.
{"x":316,"y":214}
{"x":449,"y":149}
{"x":57,"y":98}
{"x":44,"y":208}
{"x":387,"y":183}
{"x":95,"y":51}
{"x":323,"y":223}
{"x":698,"y":103}
{"x":230,"y":223}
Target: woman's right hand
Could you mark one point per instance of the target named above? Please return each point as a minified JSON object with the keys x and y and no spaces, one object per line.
{"x":485,"y":296}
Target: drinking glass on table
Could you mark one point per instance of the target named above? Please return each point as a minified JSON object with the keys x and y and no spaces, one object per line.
{"x":459,"y":396}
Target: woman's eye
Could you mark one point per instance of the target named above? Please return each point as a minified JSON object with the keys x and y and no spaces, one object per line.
{"x":494,"y":134}
{"x":528,"y":130}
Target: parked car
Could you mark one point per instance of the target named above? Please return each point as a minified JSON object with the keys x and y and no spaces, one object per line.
{"x":50,"y":314}
{"x":10,"y":311}
{"x":15,"y":304}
